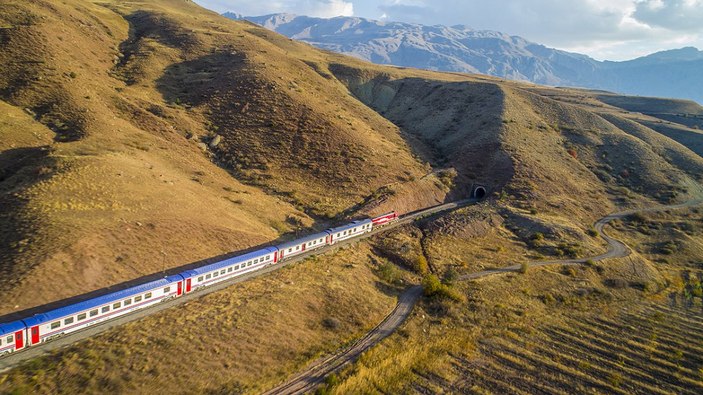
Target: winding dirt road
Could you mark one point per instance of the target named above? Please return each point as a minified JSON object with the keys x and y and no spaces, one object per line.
{"x":309,"y":379}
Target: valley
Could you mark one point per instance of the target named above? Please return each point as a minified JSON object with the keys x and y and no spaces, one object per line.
{"x":175,"y":135}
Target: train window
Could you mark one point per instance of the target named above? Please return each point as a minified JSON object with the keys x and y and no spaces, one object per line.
{"x":128,"y":302}
{"x":81,"y":316}
{"x":215,"y":274}
{"x":117,"y":305}
{"x":93,"y":313}
{"x":249,"y":263}
{"x":68,"y":320}
{"x":167,"y":290}
{"x":105,"y":309}
{"x":208,"y":276}
{"x":236,"y":267}
{"x":0,"y":342}
{"x":137,"y":299}
{"x":55,"y":325}
{"x":147,"y":295}
{"x":256,"y":261}
{"x":222,"y":271}
{"x":229,"y":270}
{"x":10,"y":339}
{"x":297,"y":248}
{"x":338,"y":234}
{"x":200,"y":278}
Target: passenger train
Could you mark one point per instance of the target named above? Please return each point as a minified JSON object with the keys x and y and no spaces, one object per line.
{"x":42,"y":327}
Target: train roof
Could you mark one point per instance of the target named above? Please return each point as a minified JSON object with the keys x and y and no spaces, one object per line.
{"x":229,"y":262}
{"x":303,"y":239}
{"x":11,"y":327}
{"x":99,"y":301}
{"x":349,"y":226}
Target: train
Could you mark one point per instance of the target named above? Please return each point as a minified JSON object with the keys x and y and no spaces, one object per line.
{"x":45,"y":326}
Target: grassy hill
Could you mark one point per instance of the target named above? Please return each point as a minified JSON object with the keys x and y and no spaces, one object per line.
{"x":140,"y":136}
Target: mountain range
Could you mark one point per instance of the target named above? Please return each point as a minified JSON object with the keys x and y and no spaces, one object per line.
{"x":674,"y":73}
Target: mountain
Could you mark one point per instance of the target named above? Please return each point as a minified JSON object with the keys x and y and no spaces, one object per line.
{"x":674,"y":73}
{"x":137,"y":137}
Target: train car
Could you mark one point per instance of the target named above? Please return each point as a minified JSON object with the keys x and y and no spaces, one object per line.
{"x":46,"y":326}
{"x":348,"y":231}
{"x":12,"y":337}
{"x":384,"y":219}
{"x":307,"y":243}
{"x":220,"y":271}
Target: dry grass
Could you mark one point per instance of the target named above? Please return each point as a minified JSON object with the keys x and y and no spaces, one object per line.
{"x":244,"y":339}
{"x":175,"y":134}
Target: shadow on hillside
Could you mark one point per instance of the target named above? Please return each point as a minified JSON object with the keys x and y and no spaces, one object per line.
{"x":447,"y":124}
{"x":20,"y":169}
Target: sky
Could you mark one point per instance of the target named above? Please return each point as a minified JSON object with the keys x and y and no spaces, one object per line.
{"x":603,"y":29}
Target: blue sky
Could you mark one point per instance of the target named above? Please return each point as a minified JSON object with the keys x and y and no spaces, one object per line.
{"x":603,"y":29}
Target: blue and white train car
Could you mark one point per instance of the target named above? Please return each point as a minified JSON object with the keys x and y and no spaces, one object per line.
{"x":46,"y":326}
{"x":232,"y":267}
{"x":299,"y":246}
{"x":12,"y":337}
{"x":350,"y":230}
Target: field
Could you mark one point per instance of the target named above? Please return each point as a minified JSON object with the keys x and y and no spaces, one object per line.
{"x":629,"y":325}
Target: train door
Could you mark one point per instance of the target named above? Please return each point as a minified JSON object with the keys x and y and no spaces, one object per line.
{"x":188,"y":286}
{"x":275,"y":256}
{"x":303,"y":247}
{"x":179,"y":290}
{"x":19,"y":340}
{"x":34,"y":335}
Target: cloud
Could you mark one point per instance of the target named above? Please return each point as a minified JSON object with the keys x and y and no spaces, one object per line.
{"x":677,"y":15}
{"x":605,"y":29}
{"x":613,"y":29}
{"x":319,"y":8}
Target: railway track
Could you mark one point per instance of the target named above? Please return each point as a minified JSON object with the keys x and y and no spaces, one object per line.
{"x":12,"y":360}
{"x":314,"y":375}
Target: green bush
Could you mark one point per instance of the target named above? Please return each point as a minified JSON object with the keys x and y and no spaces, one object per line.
{"x":524,"y":267}
{"x":389,"y":273}
{"x":592,"y":232}
{"x":421,"y":265}
{"x":434,"y":288}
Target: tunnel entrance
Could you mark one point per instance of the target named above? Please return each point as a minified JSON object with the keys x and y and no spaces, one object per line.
{"x":479,"y":192}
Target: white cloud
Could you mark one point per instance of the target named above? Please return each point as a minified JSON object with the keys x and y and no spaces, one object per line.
{"x":677,"y":15}
{"x":605,"y":29}
{"x":319,"y":8}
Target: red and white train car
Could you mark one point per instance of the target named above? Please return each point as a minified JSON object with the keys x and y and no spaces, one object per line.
{"x":384,"y":219}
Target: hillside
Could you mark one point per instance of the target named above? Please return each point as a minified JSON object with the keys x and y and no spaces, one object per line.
{"x":462,"y":49}
{"x":175,"y":134}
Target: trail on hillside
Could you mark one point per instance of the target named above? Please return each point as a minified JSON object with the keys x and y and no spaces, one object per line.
{"x":316,"y":373}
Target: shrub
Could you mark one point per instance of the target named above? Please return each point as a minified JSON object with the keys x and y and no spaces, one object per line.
{"x":331,"y":323}
{"x":573,"y":153}
{"x":590,"y":263}
{"x":524,"y":267}
{"x":389,"y":273}
{"x":592,"y":232}
{"x":539,"y":236}
{"x":432,"y":287}
{"x":615,"y":379}
{"x":616,"y":283}
{"x":421,"y":265}
{"x":669,"y":248}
